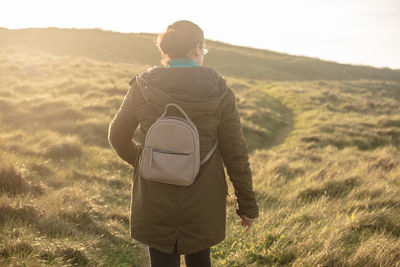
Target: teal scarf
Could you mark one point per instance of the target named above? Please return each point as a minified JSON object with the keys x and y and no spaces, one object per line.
{"x":181,"y":63}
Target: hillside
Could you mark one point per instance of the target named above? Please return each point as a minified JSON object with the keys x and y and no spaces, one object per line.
{"x":230,"y":60}
{"x":324,"y":154}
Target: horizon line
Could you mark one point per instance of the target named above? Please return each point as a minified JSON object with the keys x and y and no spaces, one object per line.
{"x":212,"y":40}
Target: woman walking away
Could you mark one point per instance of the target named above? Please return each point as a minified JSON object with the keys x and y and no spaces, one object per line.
{"x":184,"y":219}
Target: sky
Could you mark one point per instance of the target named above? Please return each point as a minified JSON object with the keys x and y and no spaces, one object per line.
{"x":365,"y":32}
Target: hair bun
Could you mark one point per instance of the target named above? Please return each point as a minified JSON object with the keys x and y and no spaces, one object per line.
{"x":171,"y":42}
{"x":179,"y":38}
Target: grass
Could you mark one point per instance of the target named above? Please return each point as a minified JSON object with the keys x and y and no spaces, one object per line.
{"x":324,"y":154}
{"x":331,"y":188}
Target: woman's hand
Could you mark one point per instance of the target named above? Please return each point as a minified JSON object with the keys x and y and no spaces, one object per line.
{"x":245,"y":221}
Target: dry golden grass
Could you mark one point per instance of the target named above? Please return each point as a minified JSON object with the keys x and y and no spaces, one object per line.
{"x":325,"y":157}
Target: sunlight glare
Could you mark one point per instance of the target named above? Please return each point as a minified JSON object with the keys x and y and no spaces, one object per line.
{"x":357,"y":31}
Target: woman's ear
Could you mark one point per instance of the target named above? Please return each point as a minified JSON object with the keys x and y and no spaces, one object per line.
{"x":193,"y":53}
{"x":199,"y":49}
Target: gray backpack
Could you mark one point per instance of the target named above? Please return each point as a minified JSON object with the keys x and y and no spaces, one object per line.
{"x":171,"y":152}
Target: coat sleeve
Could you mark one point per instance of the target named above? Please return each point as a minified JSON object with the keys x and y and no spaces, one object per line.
{"x":122,"y":129}
{"x":235,"y":156}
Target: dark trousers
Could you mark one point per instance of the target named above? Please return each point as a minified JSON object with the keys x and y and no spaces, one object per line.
{"x":161,"y":259}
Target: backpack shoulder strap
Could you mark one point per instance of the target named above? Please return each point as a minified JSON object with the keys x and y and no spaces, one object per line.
{"x":208,"y":156}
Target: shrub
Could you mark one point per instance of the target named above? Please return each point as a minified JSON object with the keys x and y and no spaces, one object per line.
{"x":23,"y":248}
{"x":11,"y":181}
{"x":41,"y":169}
{"x":380,"y":222}
{"x":384,"y":163}
{"x":6,"y":106}
{"x":66,"y":150}
{"x":93,"y":132}
{"x":333,"y":189}
{"x":26,"y":214}
{"x":68,"y":255}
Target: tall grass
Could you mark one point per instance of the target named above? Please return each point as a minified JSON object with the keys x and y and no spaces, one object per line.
{"x":330,"y":192}
{"x":325,"y":158}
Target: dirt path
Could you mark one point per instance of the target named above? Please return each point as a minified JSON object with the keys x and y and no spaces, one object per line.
{"x":284,"y":131}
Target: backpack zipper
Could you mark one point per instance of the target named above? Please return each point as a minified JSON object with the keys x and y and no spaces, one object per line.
{"x":151,"y":150}
{"x":170,"y":152}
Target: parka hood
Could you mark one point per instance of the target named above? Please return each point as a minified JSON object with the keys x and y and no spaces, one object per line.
{"x":197,"y":90}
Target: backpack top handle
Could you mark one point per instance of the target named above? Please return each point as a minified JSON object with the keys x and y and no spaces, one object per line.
{"x":179,"y":108}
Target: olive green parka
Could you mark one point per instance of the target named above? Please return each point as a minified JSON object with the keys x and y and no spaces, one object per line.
{"x":194,"y":216}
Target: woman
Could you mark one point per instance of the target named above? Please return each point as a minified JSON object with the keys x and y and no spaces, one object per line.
{"x":171,"y":219}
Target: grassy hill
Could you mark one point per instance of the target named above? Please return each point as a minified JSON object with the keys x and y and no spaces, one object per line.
{"x":324,"y":153}
{"x":231,"y":60}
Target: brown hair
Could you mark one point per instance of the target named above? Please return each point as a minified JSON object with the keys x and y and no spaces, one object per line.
{"x":179,"y":38}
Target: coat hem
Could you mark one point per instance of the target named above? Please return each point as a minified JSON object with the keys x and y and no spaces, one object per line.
{"x":186,"y":250}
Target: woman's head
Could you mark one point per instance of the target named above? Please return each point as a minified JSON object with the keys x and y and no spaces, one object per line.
{"x":182,"y":39}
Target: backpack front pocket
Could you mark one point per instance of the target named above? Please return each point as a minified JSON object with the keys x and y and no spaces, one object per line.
{"x":168,"y":166}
